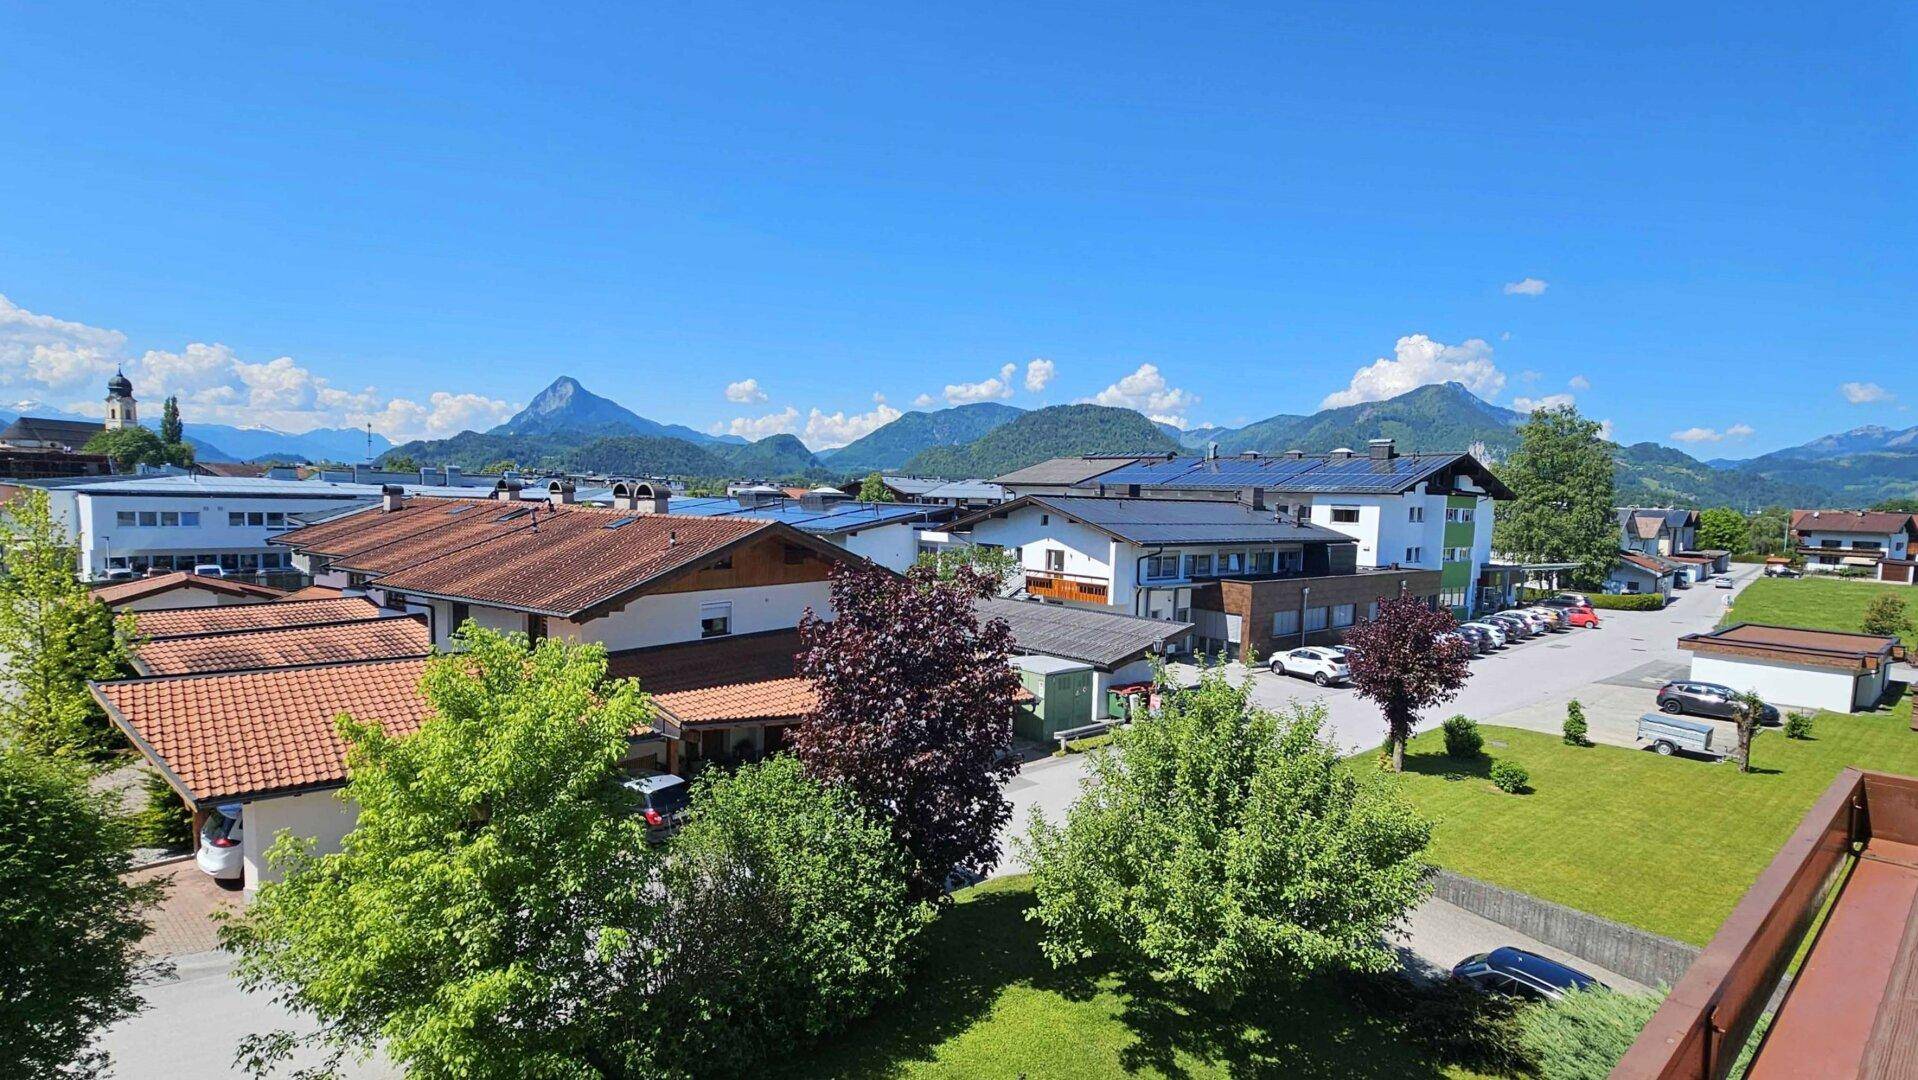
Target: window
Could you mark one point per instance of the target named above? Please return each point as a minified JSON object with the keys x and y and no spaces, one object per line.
{"x":794,"y":555}
{"x":1285,"y":623}
{"x":1458,"y":515}
{"x":1314,"y":619}
{"x":273,"y":560}
{"x":1415,"y":514}
{"x":1261,"y":562}
{"x":1452,"y":598}
{"x":1457,"y":554}
{"x":148,"y":517}
{"x":1197,"y":566}
{"x":459,"y":613}
{"x":927,"y":549}
{"x":1232,"y":562}
{"x":255,"y":518}
{"x":124,"y":519}
{"x":1055,"y":561}
{"x":190,"y":518}
{"x":276,"y":519}
{"x":1344,"y":614}
{"x":1414,"y":554}
{"x":1161,"y":567}
{"x":1866,"y":545}
{"x":235,"y":518}
{"x":725,"y":563}
{"x":1345,"y":515}
{"x":170,"y":518}
{"x":1045,"y":519}
{"x":1372,"y":610}
{"x":715,"y":620}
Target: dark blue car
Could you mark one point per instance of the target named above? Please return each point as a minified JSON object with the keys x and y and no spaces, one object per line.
{"x":1507,"y":970}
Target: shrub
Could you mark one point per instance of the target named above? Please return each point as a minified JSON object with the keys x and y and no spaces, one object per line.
{"x":1886,"y":615}
{"x":1582,"y":1035}
{"x":165,"y":821}
{"x":1510,"y":777}
{"x":1627,"y":601}
{"x":1575,"y":727}
{"x":1798,"y":725}
{"x":1462,"y":739}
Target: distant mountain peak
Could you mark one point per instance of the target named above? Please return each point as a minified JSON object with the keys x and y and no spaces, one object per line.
{"x":567,"y":407}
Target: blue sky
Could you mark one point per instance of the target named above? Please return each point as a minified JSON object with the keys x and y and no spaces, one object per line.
{"x":420,"y":217}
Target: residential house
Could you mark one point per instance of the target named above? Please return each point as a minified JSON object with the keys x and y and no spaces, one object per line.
{"x":1638,"y":572}
{"x":886,"y":533}
{"x":181,"y":590}
{"x":1430,"y":511}
{"x":1834,"y":540}
{"x":1116,"y":647}
{"x":1657,"y":530}
{"x":1247,"y":576}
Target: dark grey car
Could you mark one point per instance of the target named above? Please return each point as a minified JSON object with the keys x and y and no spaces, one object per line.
{"x":1691,"y":698}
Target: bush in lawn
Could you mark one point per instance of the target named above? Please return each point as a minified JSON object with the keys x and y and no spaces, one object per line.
{"x":1224,"y":847}
{"x":1575,"y":728}
{"x":1582,"y":1035}
{"x":1511,"y":777}
{"x":1462,"y":740}
{"x":1886,"y":615}
{"x":1798,"y":725}
{"x":1649,"y":601}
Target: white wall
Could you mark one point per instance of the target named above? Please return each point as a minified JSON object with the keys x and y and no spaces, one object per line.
{"x":319,"y":815}
{"x":1782,"y":684}
{"x":186,"y":597}
{"x":665,"y":618}
{"x":894,"y":546}
{"x":100,"y":535}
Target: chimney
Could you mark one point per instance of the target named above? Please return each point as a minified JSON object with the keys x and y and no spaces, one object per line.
{"x":639,"y":498}
{"x":1212,"y":451}
{"x":507,"y":490}
{"x":560,"y":493}
{"x":1252,"y":498}
{"x":1381,"y":449}
{"x":1343,"y":453}
{"x":1294,"y":455}
{"x":452,"y":475}
{"x":392,"y":496}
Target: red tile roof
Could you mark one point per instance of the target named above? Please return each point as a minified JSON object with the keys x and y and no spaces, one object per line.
{"x":460,"y":525}
{"x":1863,"y":522}
{"x":187,"y":622}
{"x":314,"y":592}
{"x":1644,"y":562}
{"x":729,"y":679}
{"x":255,"y":733}
{"x":372,"y":639}
{"x":123,"y":592}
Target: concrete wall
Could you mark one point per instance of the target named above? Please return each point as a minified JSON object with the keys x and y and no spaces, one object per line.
{"x":665,"y":618}
{"x":895,"y":547}
{"x":319,"y":815}
{"x":1637,"y":954}
{"x":1785,"y":684}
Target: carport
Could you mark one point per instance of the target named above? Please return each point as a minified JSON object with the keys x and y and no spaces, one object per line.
{"x":1786,"y":665}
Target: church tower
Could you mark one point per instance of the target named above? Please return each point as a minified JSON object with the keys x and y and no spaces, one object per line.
{"x":121,"y":410}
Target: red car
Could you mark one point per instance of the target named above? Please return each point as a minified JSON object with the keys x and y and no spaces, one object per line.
{"x":1582,"y":617}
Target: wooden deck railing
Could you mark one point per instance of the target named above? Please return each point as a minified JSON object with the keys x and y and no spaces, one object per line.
{"x":1085,"y":590}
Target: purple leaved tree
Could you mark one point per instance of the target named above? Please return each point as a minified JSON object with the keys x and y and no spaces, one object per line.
{"x":1400,"y":662}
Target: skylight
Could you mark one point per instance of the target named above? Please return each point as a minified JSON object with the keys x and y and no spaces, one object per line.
{"x":618,"y":522}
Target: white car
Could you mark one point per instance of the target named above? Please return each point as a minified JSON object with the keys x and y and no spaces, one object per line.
{"x":221,"y":844}
{"x":1321,"y":665}
{"x":1491,"y":630}
{"x":209,"y":569}
{"x":1721,"y":582}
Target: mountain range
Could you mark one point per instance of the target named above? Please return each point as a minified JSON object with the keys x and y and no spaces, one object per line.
{"x":224,"y":442}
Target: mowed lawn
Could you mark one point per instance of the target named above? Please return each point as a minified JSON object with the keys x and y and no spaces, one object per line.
{"x":987,"y":1004}
{"x":1817,"y":603}
{"x":1666,"y":844}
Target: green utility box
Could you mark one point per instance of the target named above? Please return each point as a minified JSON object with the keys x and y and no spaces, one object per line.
{"x":1062,"y":696}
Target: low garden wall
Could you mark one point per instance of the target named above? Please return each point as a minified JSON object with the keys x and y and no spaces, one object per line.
{"x":1639,"y":955}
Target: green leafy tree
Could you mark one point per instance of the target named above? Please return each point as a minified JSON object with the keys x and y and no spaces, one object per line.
{"x":788,"y":918}
{"x":1562,"y":477}
{"x":172,"y":432}
{"x":54,"y":636}
{"x":70,"y":924}
{"x":1224,"y":846}
{"x":130,"y":447}
{"x":873,"y":489}
{"x":495,"y":910}
{"x":1886,"y":615}
{"x":1905,"y":505}
{"x":400,"y":463}
{"x":1723,"y":529}
{"x":1769,"y":529}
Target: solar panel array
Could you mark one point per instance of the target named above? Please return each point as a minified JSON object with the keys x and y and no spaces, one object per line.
{"x":1359,"y":474}
{"x":1197,"y":521}
{"x":834,"y":517}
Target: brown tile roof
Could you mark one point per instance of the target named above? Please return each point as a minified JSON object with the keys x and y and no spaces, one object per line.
{"x":573,"y":561}
{"x":123,"y":592}
{"x":371,"y":639}
{"x":1820,"y":648}
{"x":314,"y":592}
{"x":1647,"y":526}
{"x":1644,"y":562}
{"x":478,"y":523}
{"x":369,"y":528}
{"x":729,"y":679}
{"x":1867,"y":522}
{"x":254,"y":733}
{"x":187,"y":622}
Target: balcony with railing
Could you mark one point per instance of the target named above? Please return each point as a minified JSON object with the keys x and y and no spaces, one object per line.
{"x":1077,"y":588}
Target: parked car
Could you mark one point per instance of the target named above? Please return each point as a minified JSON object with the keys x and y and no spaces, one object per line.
{"x":1781,"y":571}
{"x":1480,"y":637}
{"x":1575,"y":596}
{"x":117,"y":573}
{"x":1509,"y":970}
{"x":1584,"y":617}
{"x":664,"y":800}
{"x":1491,"y":631}
{"x":1536,"y":623}
{"x":1566,"y":603}
{"x":222,"y":837}
{"x":1318,"y":663}
{"x":1554,"y":618}
{"x":1722,"y":581}
{"x":210,"y":569}
{"x":1516,"y":629}
{"x":1469,"y":642}
{"x":1688,"y":697}
{"x":1668,"y":735}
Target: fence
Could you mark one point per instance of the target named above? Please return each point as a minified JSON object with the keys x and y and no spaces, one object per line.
{"x":1638,"y":955}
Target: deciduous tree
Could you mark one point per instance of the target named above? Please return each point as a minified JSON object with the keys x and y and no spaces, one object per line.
{"x":1401,"y":663}
{"x":1224,"y":847}
{"x":54,"y":636}
{"x":70,"y":923}
{"x":1562,"y":476}
{"x":873,"y":489}
{"x":1724,"y":529}
{"x":1750,"y":719}
{"x":914,"y":713}
{"x":172,"y":432}
{"x":1886,"y":615}
{"x":129,"y":448}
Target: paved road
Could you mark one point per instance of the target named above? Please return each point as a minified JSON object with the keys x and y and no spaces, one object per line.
{"x":194,"y":1020}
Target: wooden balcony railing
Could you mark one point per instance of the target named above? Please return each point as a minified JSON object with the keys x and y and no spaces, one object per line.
{"x":1085,"y":590}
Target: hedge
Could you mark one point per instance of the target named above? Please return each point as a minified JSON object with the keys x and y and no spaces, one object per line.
{"x":1649,"y":601}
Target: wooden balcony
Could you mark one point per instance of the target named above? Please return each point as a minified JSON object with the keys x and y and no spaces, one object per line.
{"x":1072,"y":587}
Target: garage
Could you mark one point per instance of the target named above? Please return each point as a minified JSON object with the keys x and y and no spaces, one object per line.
{"x":1792,"y":666}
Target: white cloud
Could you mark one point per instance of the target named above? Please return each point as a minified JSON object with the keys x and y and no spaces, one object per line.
{"x":755,"y":428}
{"x":1864,"y":393}
{"x":1705,"y":434}
{"x":67,"y":361}
{"x":1147,"y":391}
{"x":1605,"y":430}
{"x":924,"y":401}
{"x":995,"y":389}
{"x":1416,"y":361}
{"x":1530,"y":286}
{"x":827,"y":430}
{"x":1528,"y":376}
{"x":1580,"y":382}
{"x":1549,"y":401}
{"x":1039,"y":374}
{"x":745,"y":392}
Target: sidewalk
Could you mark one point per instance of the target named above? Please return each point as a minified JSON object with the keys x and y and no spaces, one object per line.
{"x":183,"y":921}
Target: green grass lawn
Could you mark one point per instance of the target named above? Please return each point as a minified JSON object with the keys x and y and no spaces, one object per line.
{"x":987,"y":1004}
{"x":1815,"y":602}
{"x":1667,"y":844}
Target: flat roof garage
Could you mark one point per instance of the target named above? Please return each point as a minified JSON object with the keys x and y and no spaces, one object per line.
{"x":1787,"y":665}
